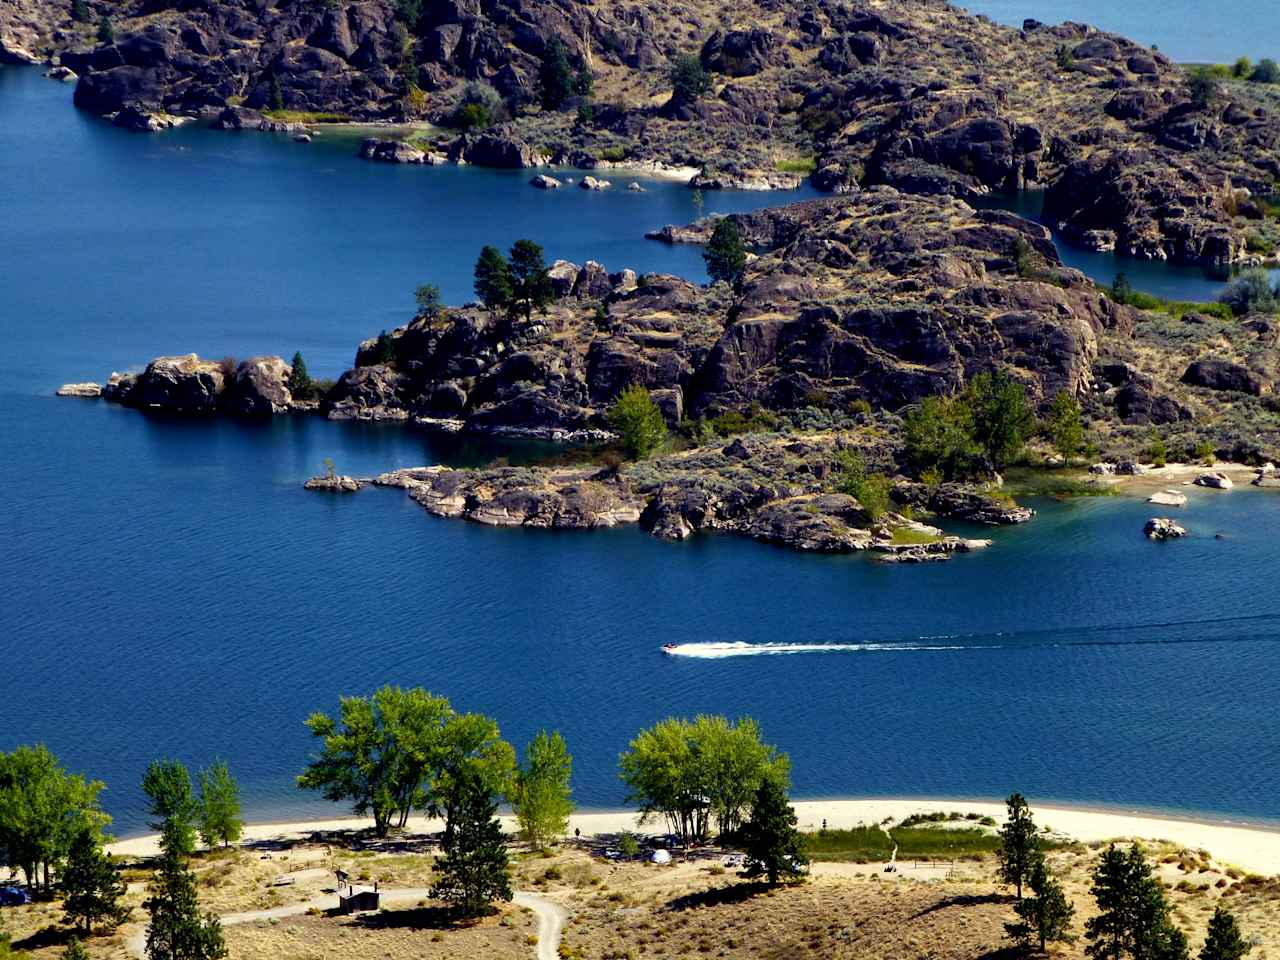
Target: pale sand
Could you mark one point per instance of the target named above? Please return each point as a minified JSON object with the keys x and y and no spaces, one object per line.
{"x":1254,"y":849}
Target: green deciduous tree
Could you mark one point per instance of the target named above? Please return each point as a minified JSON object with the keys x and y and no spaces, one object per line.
{"x":530,"y":283}
{"x":725,"y":255}
{"x":1064,"y":426}
{"x":773,"y":846}
{"x":42,"y":811}
{"x":690,"y":772}
{"x":1019,"y":845}
{"x":219,"y":808}
{"x":470,"y":751}
{"x":871,"y":490}
{"x":638,"y":421}
{"x":938,"y":435}
{"x":689,"y":79}
{"x":1267,"y":71}
{"x":473,"y":871}
{"x":1045,"y":916}
{"x":494,"y":284}
{"x":300,"y":384}
{"x":1224,"y":940}
{"x":178,"y":931}
{"x":1002,"y":418}
{"x":555,"y":76}
{"x":172,"y":803}
{"x":93,"y":889}
{"x":542,"y":798}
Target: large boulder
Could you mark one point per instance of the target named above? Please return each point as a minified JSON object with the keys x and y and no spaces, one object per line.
{"x":260,"y":388}
{"x":1216,"y":374}
{"x":182,"y":384}
{"x":367,"y":393}
{"x":739,"y":53}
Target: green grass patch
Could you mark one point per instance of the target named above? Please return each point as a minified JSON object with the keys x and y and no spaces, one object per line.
{"x":306,"y":116}
{"x":870,"y":844}
{"x":613,"y":154}
{"x":909,"y":537}
{"x":1054,"y":483}
{"x":805,"y":165}
{"x":1175,"y":308}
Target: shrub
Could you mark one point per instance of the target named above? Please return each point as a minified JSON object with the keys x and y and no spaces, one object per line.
{"x":1250,"y":292}
{"x":1202,"y":85}
{"x":638,"y":421}
{"x":1157,"y":451}
{"x":479,"y":106}
{"x":871,"y":490}
{"x":1206,"y":453}
{"x":106,"y":31}
{"x":1065,"y":58}
{"x":1241,"y":68}
{"x":1267,"y":71}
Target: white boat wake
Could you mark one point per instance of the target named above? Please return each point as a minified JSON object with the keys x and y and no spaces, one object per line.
{"x":739,"y":648}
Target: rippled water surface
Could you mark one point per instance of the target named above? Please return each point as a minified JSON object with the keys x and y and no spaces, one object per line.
{"x":168,"y":588}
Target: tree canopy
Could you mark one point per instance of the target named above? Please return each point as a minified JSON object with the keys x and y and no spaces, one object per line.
{"x":1019,"y":845}
{"x":530,"y":283}
{"x":689,"y":79}
{"x":43,"y":809}
{"x":93,"y":888}
{"x":398,"y":750}
{"x":555,"y":76}
{"x":1133,"y":914}
{"x":542,"y":798}
{"x":1224,"y":940}
{"x":726,"y":254}
{"x":1045,"y":916}
{"x":493,"y":280}
{"x":177,"y":930}
{"x":172,"y":803}
{"x":986,"y":425}
{"x":691,"y":771}
{"x":300,"y":384}
{"x":1063,"y":425}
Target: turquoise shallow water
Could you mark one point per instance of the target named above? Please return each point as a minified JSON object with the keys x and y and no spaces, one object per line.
{"x":168,"y":588}
{"x":1191,"y":31}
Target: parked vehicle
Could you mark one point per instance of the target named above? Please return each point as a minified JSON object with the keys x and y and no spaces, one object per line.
{"x":14,"y":897}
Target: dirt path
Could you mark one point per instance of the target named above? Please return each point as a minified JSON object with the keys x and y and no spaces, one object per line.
{"x":551,"y":917}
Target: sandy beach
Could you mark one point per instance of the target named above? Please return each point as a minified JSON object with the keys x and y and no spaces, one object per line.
{"x":1251,"y":848}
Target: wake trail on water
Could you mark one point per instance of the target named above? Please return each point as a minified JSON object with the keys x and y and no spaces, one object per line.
{"x":1088,"y":636}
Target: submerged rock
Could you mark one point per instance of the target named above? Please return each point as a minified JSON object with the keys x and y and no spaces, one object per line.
{"x":1168,"y":498}
{"x":544,"y":182}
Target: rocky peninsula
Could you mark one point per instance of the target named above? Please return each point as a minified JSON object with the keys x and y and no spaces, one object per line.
{"x":918,"y":95}
{"x":851,"y":311}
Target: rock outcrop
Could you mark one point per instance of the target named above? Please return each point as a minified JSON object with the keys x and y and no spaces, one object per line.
{"x":1218,"y":374}
{"x":1162,"y":528}
{"x":85,"y":391}
{"x":194,"y":386}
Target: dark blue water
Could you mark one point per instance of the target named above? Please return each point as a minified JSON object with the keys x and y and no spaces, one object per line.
{"x":1187,"y":30}
{"x":168,"y":588}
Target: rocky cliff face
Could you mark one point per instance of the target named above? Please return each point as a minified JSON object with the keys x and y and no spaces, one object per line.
{"x":880,"y":297}
{"x":191,"y":386}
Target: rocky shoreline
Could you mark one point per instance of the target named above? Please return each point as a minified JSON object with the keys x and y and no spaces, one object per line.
{"x":923,"y":97}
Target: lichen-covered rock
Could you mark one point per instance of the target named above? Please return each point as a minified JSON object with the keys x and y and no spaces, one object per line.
{"x":260,"y":387}
{"x":181,"y":384}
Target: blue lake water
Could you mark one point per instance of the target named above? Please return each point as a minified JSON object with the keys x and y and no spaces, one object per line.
{"x":168,"y":588}
{"x":1188,"y":30}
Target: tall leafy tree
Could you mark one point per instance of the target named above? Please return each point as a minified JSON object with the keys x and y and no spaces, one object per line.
{"x":530,"y":283}
{"x":471,"y":752}
{"x":300,"y":384}
{"x":494,"y":284}
{"x":219,"y":807}
{"x":473,"y":871}
{"x":172,"y":803}
{"x":691,"y":772}
{"x":1045,"y":916}
{"x":938,"y":435}
{"x":94,"y":890}
{"x":177,"y":930}
{"x":42,"y":810}
{"x":1224,"y":940}
{"x":689,"y":79}
{"x":1019,"y":845}
{"x":773,"y":845}
{"x":638,"y":421}
{"x":555,"y":76}
{"x":542,"y":798}
{"x":1002,"y":418}
{"x":726,"y":255}
{"x":1065,"y":429}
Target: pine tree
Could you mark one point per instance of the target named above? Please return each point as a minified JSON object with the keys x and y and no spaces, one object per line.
{"x":1046,"y":915}
{"x":1224,"y":940}
{"x":177,"y":930}
{"x":531,"y":285}
{"x":473,"y":871}
{"x":772,"y":843}
{"x":555,"y":77}
{"x":106,"y":31}
{"x":219,"y":812}
{"x":94,"y":890}
{"x":493,"y":280}
{"x":1019,"y":845}
{"x":275,"y":94}
{"x":726,"y":257}
{"x":1133,"y":914}
{"x":79,"y":11}
{"x":300,"y":384}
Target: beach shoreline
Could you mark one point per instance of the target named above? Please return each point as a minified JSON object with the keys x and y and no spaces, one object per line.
{"x":1253,"y":847}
